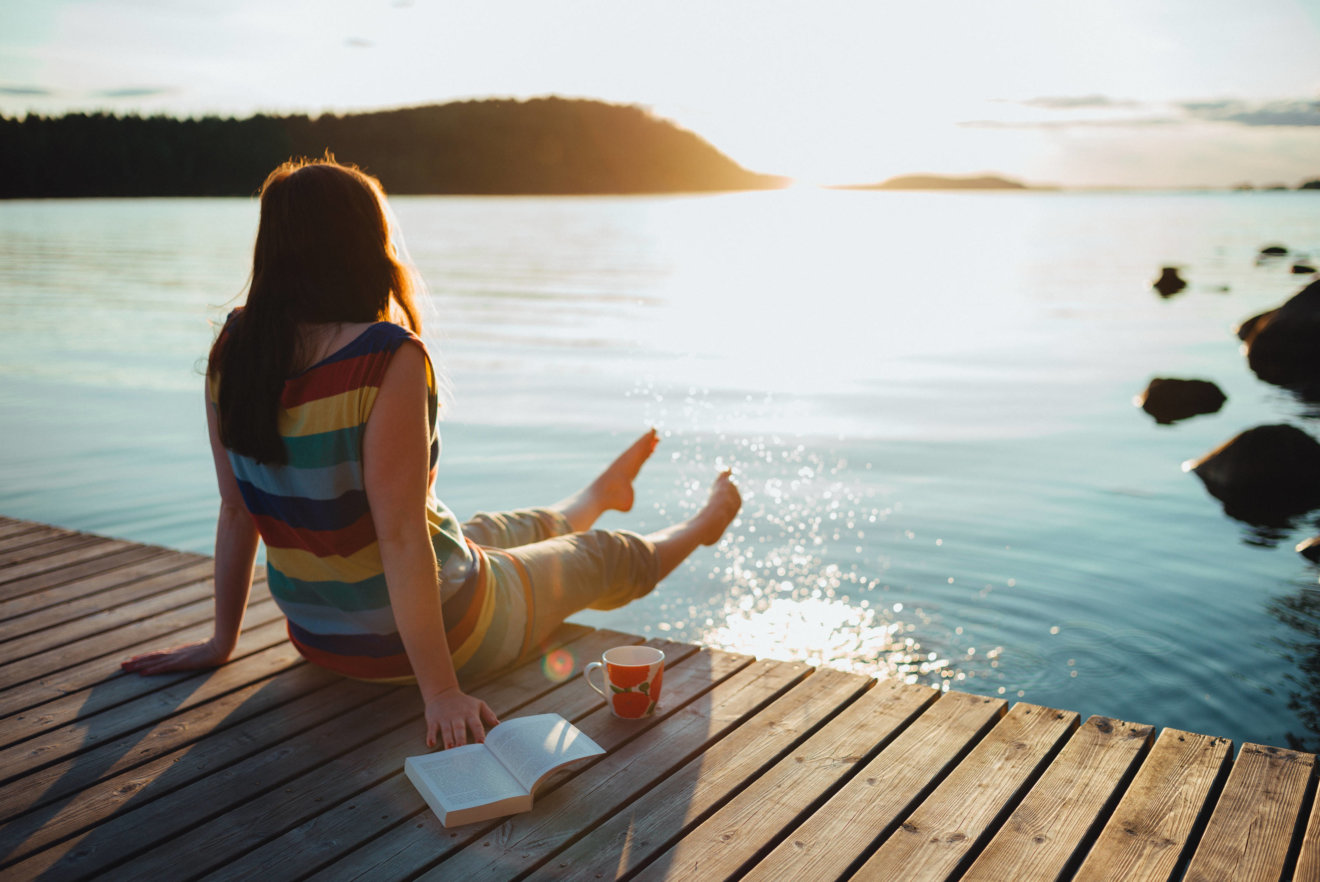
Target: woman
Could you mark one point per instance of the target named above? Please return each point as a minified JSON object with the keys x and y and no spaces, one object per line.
{"x":322,"y":412}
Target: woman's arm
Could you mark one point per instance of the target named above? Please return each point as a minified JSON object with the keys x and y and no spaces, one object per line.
{"x":235,"y":552}
{"x":395,"y":455}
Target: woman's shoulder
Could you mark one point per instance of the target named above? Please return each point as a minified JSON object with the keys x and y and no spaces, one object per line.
{"x":389,"y":336}
{"x":382,"y":341}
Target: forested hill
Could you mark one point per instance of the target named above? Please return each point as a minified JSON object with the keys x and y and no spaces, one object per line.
{"x":540,"y":146}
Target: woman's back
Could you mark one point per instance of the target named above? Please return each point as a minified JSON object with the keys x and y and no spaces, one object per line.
{"x":323,"y":562}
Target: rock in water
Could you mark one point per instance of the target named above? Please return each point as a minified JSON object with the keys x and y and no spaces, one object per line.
{"x":1169,"y":400}
{"x":1169,"y":282}
{"x":1283,"y":345}
{"x":1265,"y":475}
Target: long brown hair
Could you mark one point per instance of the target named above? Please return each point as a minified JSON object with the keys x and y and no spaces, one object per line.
{"x":323,"y":254}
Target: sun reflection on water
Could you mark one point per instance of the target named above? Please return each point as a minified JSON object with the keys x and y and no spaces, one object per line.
{"x":832,"y":633}
{"x":801,"y":574}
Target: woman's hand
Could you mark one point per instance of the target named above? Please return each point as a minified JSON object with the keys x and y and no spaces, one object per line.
{"x":189,"y":657}
{"x":453,"y":716}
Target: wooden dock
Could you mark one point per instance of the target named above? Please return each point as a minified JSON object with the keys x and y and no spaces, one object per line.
{"x":270,"y":768}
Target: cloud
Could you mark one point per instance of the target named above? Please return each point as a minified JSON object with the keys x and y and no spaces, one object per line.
{"x":1078,"y":102}
{"x":1077,"y":111}
{"x":132,"y":92}
{"x":1123,"y":122}
{"x":1271,"y":113}
{"x":27,"y":91}
{"x":358,"y":43}
{"x":1288,"y":113}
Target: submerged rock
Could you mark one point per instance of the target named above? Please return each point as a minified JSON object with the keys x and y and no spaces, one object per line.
{"x":1283,"y":344}
{"x":1169,"y":400}
{"x":1264,"y":475}
{"x":1169,"y":282}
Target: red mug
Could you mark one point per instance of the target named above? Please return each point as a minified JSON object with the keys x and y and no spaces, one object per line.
{"x":633,"y":675}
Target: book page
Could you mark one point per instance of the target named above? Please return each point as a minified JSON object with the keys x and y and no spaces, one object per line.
{"x":466,"y":776}
{"x":533,"y":746}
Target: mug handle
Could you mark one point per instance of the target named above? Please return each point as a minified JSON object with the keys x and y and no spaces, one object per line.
{"x":586,"y":675}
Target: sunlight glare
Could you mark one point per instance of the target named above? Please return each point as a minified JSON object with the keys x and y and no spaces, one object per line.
{"x":765,"y":294}
{"x":832,"y":633}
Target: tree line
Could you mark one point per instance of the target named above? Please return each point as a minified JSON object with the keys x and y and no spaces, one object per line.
{"x":539,"y":146}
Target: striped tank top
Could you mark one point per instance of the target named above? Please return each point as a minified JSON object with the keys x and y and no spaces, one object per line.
{"x":323,"y":562}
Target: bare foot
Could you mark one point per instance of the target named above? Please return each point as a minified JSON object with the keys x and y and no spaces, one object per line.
{"x":674,"y":544}
{"x":720,"y":509}
{"x":614,"y":488}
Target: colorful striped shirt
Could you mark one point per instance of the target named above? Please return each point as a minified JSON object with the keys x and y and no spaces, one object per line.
{"x":322,"y":559}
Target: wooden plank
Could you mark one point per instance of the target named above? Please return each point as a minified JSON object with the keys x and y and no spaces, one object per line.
{"x":87,"y":831}
{"x":90,"y":577}
{"x":11,"y":531}
{"x":158,"y":626}
{"x":36,"y":575}
{"x":177,"y":690}
{"x":842,"y":830}
{"x":346,"y":824}
{"x":82,"y":615}
{"x":683,"y":799}
{"x":15,"y":675}
{"x":40,"y":583}
{"x":954,"y":821}
{"x":163,"y":733}
{"x":1149,"y":831}
{"x":12,"y":560}
{"x":1255,"y":818}
{"x":95,"y":665}
{"x":162,"y":593}
{"x":755,"y":820}
{"x":216,"y":819}
{"x":1308,"y":859}
{"x":1049,"y":833}
{"x":525,"y":841}
{"x":34,"y":524}
{"x":39,"y":544}
{"x":37,"y":551}
{"x":168,"y":705}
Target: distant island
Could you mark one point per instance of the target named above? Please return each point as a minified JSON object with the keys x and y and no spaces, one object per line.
{"x":941,"y":182}
{"x":542,"y":146}
{"x":1305,"y":185}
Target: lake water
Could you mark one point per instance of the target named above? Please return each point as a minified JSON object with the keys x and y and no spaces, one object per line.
{"x":927,"y":399}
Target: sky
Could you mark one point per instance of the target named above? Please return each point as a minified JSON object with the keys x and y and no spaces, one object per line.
{"x":1118,"y":93}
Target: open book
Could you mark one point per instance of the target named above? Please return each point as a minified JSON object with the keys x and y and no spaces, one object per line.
{"x":477,"y":782}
